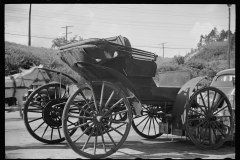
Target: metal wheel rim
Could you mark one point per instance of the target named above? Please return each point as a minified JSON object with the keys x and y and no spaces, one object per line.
{"x":103,"y":144}
{"x":210,"y":132}
{"x":148,"y":124}
{"x":34,"y":119}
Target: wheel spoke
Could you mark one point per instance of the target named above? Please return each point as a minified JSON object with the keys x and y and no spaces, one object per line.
{"x":205,"y":131}
{"x":215,"y":93}
{"x":109,"y":99}
{"x":95,"y":101}
{"x":59,"y":133}
{"x":120,"y":116}
{"x":80,"y":117}
{"x":149,"y":125}
{"x":45,"y":130}
{"x":115,"y":130}
{"x":117,"y":121}
{"x":203,"y":102}
{"x":109,"y":135}
{"x":81,"y":125}
{"x":118,"y":126}
{"x":146,"y":124}
{"x":219,"y":129}
{"x":141,"y":121}
{"x":220,"y":110}
{"x":208,"y":100}
{"x":48,"y":94}
{"x":199,"y":124}
{"x":101,"y":98}
{"x":88,"y":138}
{"x":113,"y":106}
{"x":51,"y":133}
{"x":39,"y":126}
{"x":140,"y":116}
{"x":124,"y":111}
{"x":82,"y":108}
{"x":202,"y":109}
{"x":145,"y":108}
{"x":103,"y":142}
{"x":223,"y":124}
{"x":156,"y":119}
{"x":34,"y":110}
{"x":86,"y":100}
{"x":214,"y":130}
{"x":95,"y":142}
{"x":87,"y":129}
{"x":70,"y":122}
{"x":154,"y":126}
{"x":202,"y":127}
{"x":210,"y":134}
{"x":218,"y":103}
{"x":34,"y":120}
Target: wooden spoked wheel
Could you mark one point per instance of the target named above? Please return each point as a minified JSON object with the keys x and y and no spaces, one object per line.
{"x":101,"y":134}
{"x":209,"y":118}
{"x":43,"y":113}
{"x":147,"y":125}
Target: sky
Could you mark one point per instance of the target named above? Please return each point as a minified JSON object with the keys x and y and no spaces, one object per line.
{"x":165,"y":29}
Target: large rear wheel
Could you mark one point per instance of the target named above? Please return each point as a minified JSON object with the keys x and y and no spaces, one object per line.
{"x":209,"y":118}
{"x":101,"y":133}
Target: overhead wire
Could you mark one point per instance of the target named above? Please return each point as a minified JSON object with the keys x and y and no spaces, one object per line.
{"x":132,"y":45}
{"x":153,"y":12}
{"x":177,"y":28}
{"x":122,"y":24}
{"x":129,"y":21}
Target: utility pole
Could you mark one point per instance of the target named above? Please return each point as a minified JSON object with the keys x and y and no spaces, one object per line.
{"x":163,"y":47}
{"x":66,"y":31}
{"x":29,"y":27}
{"x":229,"y":5}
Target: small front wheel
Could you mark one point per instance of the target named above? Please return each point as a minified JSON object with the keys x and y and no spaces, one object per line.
{"x":43,"y":113}
{"x":101,"y":133}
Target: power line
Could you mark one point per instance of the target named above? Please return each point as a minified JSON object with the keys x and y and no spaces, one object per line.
{"x":27,"y":36}
{"x":160,"y":13}
{"x":177,"y":28}
{"x":133,"y":45}
{"x":131,"y":21}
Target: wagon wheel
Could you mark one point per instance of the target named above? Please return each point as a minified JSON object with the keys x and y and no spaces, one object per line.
{"x":43,"y":112}
{"x":209,"y":118}
{"x":95,"y":118}
{"x":146,"y":125}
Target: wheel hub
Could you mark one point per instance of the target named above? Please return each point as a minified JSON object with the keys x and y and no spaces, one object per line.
{"x":52,"y":115}
{"x":212,"y":118}
{"x":99,"y":118}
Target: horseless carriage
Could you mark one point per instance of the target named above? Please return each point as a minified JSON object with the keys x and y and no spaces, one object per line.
{"x":120,"y":92}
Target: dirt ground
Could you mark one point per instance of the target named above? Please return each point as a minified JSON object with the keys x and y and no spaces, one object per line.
{"x":20,"y":144}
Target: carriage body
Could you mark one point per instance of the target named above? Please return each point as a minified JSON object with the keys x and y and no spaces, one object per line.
{"x":122,"y":91}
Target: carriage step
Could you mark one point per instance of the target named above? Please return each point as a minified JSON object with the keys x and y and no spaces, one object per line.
{"x":165,"y":115}
{"x":168,"y":115}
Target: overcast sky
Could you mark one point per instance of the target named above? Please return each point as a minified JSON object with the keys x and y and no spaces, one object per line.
{"x":145,"y":25}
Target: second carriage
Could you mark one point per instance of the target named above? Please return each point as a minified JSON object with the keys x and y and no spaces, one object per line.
{"x":120,"y":92}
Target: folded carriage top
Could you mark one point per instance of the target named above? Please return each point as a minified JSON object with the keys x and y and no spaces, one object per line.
{"x":99,"y":51}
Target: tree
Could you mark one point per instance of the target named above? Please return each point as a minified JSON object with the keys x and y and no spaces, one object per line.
{"x":58,"y":42}
{"x":213,"y":35}
{"x":222,"y":36}
{"x":179,"y":59}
